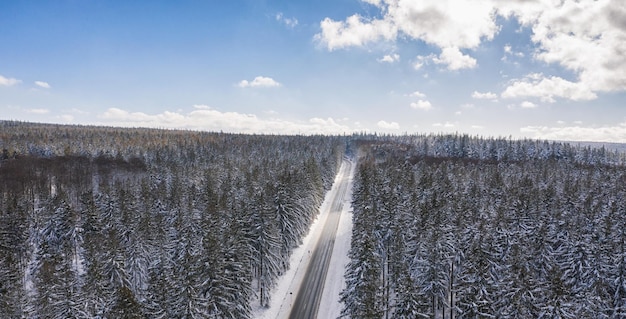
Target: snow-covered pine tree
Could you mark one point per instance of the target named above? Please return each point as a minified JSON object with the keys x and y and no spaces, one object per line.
{"x":56,"y":278}
{"x":13,"y":256}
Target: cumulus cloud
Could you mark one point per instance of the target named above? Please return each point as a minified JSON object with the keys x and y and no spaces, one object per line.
{"x":484,"y":96}
{"x":141,"y":118}
{"x":389,"y":58}
{"x":289,"y":22}
{"x":451,"y":57}
{"x":445,"y":23}
{"x":8,"y":81}
{"x":373,"y":2}
{"x":586,"y":37}
{"x":547,"y":88}
{"x":203,"y":117}
{"x":528,"y":105}
{"x":611,"y":133}
{"x":422,"y":105}
{"x":454,"y":59}
{"x":354,"y":31}
{"x":388,"y":125}
{"x":42,"y":84}
{"x":418,"y":94}
{"x":508,"y":49}
{"x":260,"y":82}
{"x":448,"y":24}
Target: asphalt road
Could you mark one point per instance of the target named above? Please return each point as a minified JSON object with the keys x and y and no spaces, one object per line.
{"x":308,"y":298}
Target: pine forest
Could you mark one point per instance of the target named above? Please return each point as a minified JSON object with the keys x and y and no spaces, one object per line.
{"x":103,"y":222}
{"x":460,"y":227}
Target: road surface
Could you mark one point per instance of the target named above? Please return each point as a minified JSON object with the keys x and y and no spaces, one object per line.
{"x":308,"y":298}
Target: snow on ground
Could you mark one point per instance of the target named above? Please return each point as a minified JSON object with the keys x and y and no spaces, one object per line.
{"x":287,"y":286}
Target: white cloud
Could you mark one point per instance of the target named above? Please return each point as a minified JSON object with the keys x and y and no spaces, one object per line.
{"x":444,"y":125}
{"x":422,"y":105}
{"x":614,"y":133}
{"x":8,"y":81}
{"x":455,"y":59}
{"x":451,"y":57}
{"x":355,"y":31}
{"x":42,"y":84}
{"x":203,"y":117}
{"x":444,"y":23}
{"x":388,"y":125}
{"x":547,"y":88}
{"x":586,"y":37}
{"x":484,"y":96}
{"x":259,"y":81}
{"x":289,"y":22}
{"x":38,"y":111}
{"x":418,"y":94}
{"x":390,"y":58}
{"x":477,"y":127}
{"x":508,"y":51}
{"x":448,"y":24}
{"x":528,"y":105}
{"x":201,"y":107}
{"x":421,"y":60}
{"x":376,"y":3}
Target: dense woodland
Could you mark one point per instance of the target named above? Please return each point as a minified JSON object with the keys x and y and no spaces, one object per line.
{"x":461,"y":227}
{"x":99,"y":222}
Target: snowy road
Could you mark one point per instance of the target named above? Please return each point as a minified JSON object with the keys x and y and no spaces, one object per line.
{"x":308,"y":297}
{"x":287,"y":288}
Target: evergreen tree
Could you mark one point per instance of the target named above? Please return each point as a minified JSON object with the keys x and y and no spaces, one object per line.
{"x":126,"y":306}
{"x":56,"y":276}
{"x":13,"y":253}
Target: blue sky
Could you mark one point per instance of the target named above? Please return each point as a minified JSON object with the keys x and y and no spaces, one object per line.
{"x":521,"y":68}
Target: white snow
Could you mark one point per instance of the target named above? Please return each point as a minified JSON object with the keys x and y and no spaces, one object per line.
{"x":285,"y":291}
{"x":335,"y":283}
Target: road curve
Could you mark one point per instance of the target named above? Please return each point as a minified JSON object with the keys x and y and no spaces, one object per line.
{"x":310,"y":292}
